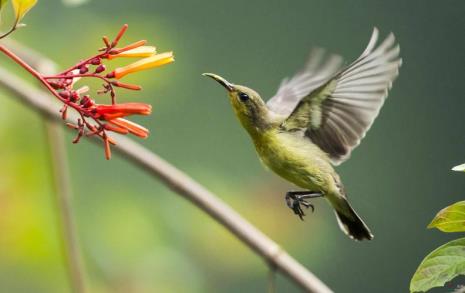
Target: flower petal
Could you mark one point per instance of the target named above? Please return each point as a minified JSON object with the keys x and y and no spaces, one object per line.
{"x":143,"y":64}
{"x":132,"y":127}
{"x":114,"y":128}
{"x":21,"y":7}
{"x":126,"y":109}
{"x":142,"y":51}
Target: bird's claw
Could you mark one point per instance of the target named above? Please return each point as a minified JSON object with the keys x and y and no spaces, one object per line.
{"x":295,"y":203}
{"x":307,"y":204}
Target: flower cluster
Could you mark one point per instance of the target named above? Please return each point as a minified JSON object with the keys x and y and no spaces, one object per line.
{"x":99,"y":119}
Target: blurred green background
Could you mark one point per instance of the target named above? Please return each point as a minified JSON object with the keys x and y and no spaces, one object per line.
{"x":137,"y":236}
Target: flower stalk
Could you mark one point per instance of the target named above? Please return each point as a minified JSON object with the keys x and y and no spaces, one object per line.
{"x":100,"y":119}
{"x":186,"y":187}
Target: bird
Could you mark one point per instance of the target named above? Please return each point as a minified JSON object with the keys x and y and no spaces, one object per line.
{"x":316,"y":119}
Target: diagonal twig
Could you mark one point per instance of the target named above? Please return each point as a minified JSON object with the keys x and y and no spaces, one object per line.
{"x":61,"y":178}
{"x":185,"y":186}
{"x":71,"y":247}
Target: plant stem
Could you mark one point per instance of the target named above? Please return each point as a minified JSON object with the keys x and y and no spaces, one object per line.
{"x":70,"y":244}
{"x":11,"y":30}
{"x":185,"y":186}
{"x":39,"y":77}
{"x":78,"y":75}
{"x":31,"y":70}
{"x":61,"y":178}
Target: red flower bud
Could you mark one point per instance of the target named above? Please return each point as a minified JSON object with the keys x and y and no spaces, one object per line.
{"x":120,"y":35}
{"x":64,"y":112}
{"x":100,"y":68}
{"x":107,"y":148}
{"x":74,"y":96}
{"x":84,"y":69}
{"x":96,"y":61}
{"x":128,"y":86}
{"x":65,"y":94}
{"x":56,"y":85}
{"x":87,"y":102}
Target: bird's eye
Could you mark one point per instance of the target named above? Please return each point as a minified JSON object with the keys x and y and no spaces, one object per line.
{"x":243,"y":96}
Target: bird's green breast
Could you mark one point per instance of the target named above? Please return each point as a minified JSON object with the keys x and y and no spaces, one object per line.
{"x":294,"y":158}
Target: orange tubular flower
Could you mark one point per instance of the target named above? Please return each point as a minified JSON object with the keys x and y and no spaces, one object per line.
{"x":128,"y":47}
{"x":103,"y":119}
{"x":132,"y":127}
{"x":110,"y":112}
{"x":142,"y":51}
{"x":143,"y":64}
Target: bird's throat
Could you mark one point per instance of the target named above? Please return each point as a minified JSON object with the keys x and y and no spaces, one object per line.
{"x":255,"y":122}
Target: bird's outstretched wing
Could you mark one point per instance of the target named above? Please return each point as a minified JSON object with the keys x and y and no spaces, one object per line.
{"x":335,"y":108}
{"x":320,"y":67}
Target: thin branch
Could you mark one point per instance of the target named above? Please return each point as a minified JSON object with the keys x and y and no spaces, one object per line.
{"x":185,"y":186}
{"x":39,"y":77}
{"x":69,"y":237}
{"x":61,"y":178}
{"x":11,"y":30}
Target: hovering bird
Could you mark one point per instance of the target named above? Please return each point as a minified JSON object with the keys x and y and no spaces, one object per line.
{"x":316,"y":119}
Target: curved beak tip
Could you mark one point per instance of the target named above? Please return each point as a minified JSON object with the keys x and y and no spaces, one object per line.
{"x":226,"y":84}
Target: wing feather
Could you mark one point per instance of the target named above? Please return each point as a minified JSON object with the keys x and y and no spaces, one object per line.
{"x":333,"y":107}
{"x":319,"y":68}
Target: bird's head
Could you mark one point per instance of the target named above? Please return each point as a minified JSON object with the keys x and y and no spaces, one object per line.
{"x":247,"y":104}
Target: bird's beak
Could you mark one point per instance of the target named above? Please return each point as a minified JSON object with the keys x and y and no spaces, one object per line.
{"x":229,"y":86}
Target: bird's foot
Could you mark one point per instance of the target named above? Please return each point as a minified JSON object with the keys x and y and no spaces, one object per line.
{"x":296,"y":199}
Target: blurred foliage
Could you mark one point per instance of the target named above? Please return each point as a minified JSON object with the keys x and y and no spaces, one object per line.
{"x":440,"y":266}
{"x":448,"y":261}
{"x":139,"y":237}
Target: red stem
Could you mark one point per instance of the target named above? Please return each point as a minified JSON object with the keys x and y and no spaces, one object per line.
{"x":60,"y":76}
{"x":86,"y":61}
{"x":101,"y":55}
{"x":109,"y":83}
{"x":37,"y":75}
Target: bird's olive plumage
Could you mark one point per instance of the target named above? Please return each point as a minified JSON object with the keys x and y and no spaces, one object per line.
{"x":317,"y":118}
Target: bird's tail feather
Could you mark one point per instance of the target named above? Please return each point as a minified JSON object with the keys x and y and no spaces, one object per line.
{"x":350,"y":223}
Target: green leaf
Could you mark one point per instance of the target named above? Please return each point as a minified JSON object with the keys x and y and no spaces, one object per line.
{"x":440,"y":266}
{"x":21,"y":7}
{"x":459,"y":168}
{"x":450,"y":219}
